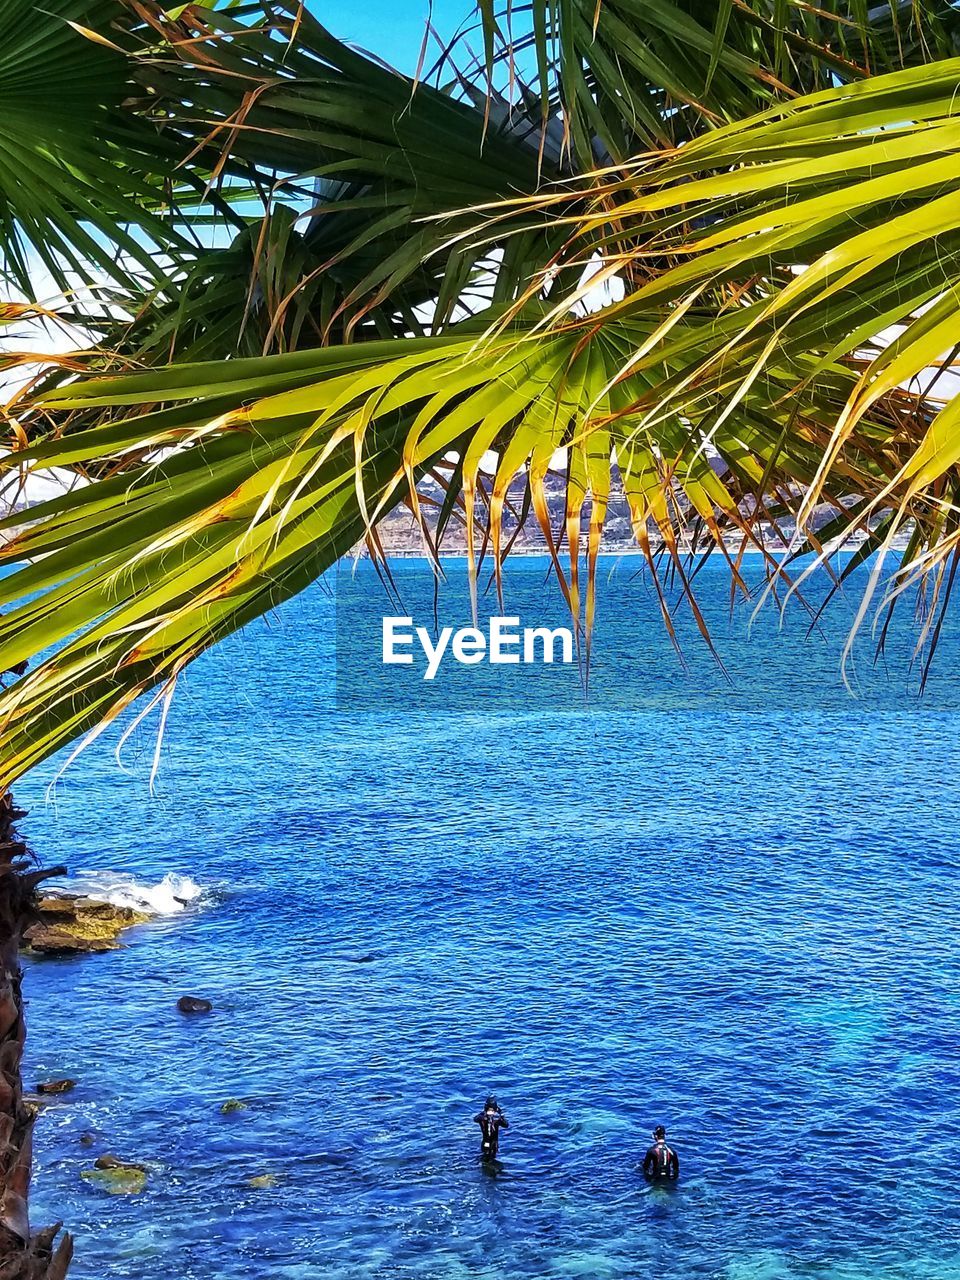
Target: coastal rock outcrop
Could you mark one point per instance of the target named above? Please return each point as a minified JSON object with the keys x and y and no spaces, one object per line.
{"x":56,"y":1086}
{"x":72,"y":924}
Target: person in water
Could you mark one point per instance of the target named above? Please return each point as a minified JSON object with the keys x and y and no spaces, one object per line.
{"x":491,"y":1120}
{"x":660,"y":1161}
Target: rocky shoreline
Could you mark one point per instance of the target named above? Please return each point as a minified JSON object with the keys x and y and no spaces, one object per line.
{"x":75,"y":924}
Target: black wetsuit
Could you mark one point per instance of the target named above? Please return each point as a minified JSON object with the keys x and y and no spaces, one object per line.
{"x":661,"y":1161}
{"x":490,"y":1122}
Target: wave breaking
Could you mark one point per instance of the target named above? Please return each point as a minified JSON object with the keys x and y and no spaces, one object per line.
{"x":170,"y":896}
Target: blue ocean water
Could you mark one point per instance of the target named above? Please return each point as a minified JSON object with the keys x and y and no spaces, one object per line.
{"x":724,"y":904}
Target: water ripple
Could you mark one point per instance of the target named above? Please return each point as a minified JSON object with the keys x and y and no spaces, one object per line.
{"x":733,"y":914}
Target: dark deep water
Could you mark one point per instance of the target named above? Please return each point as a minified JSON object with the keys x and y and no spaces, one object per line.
{"x":731,"y":907}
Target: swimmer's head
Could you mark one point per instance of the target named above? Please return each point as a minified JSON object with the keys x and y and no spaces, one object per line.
{"x":659,"y":1133}
{"x":491,"y":1104}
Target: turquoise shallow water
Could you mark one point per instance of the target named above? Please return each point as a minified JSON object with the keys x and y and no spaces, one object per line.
{"x":730,"y":907}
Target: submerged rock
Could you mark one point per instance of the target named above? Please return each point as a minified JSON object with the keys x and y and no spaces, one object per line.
{"x":231,"y":1105}
{"x":71,"y":924}
{"x":263,"y":1181}
{"x":194,"y":1004}
{"x":117,"y":1180}
{"x":56,"y":1086}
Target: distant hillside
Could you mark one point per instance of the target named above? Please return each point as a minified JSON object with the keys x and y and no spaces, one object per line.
{"x":400,"y":533}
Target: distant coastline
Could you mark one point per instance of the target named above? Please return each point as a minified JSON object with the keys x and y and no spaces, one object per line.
{"x":620,"y":551}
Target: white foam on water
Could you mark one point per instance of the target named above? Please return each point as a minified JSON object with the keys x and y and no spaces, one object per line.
{"x":173,"y":894}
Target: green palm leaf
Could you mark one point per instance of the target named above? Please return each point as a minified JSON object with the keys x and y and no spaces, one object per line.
{"x":247,"y":479}
{"x":629,"y":75}
{"x":79,"y":177}
{"x":728,"y":393}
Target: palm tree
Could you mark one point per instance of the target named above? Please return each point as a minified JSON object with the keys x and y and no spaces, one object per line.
{"x":707,"y":248}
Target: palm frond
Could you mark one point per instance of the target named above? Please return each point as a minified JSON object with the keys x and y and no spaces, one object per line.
{"x":742,"y":381}
{"x":632,"y":75}
{"x":79,"y":177}
{"x":860,"y":185}
{"x":245,"y":480}
{"x":360,"y":161}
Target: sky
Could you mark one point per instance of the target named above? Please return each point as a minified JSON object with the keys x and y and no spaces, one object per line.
{"x":392,"y":29}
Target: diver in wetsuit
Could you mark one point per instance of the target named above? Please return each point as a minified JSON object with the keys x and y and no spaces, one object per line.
{"x":661,"y":1161}
{"x":491,"y":1120}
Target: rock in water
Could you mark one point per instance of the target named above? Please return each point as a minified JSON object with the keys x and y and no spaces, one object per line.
{"x":56,"y":1086}
{"x":71,"y":924}
{"x":194,"y":1004}
{"x":109,"y":1161}
{"x":119,"y":1180}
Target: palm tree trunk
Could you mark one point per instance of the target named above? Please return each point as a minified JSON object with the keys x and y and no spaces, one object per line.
{"x":22,"y":1256}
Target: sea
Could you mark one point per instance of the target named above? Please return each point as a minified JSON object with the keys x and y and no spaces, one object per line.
{"x":712,"y":890}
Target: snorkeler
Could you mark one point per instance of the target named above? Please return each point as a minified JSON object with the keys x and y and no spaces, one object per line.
{"x":491,"y":1120}
{"x":660,"y":1161}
